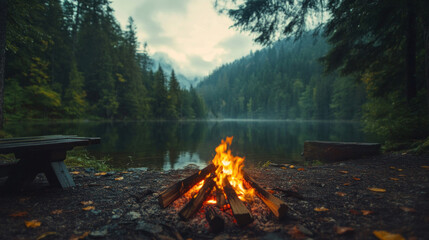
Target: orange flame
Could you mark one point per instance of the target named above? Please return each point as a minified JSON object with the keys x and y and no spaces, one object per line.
{"x":229,"y":166}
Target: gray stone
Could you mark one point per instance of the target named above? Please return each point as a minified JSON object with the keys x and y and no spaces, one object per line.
{"x":141,"y":169}
{"x":133,"y":215}
{"x":99,"y":233}
{"x":305,"y":230}
{"x":149,"y":227}
{"x":95,"y":212}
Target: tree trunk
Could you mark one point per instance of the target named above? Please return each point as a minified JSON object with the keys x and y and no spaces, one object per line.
{"x":410,"y":59}
{"x":75,"y":26}
{"x":3,"y":19}
{"x":426,"y":42}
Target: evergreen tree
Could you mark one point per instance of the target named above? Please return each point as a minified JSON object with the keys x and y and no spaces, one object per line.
{"x":174,"y":96}
{"x":160,"y":95}
{"x":381,"y":43}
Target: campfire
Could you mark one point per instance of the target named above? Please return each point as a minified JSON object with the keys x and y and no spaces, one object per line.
{"x":222,"y":181}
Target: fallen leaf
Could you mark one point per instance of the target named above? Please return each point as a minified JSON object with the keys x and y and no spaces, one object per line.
{"x":89,"y":208}
{"x":291,"y":166}
{"x":346,"y":184}
{"x":383,"y":235}
{"x":106,"y":187}
{"x":84,"y":235}
{"x":100,"y":174}
{"x":119,"y":178}
{"x":407,"y":209}
{"x":377,"y":189}
{"x":321,"y":209}
{"x":402,"y":175}
{"x":75,"y":172}
{"x":366,"y":212}
{"x":342,"y":230}
{"x":19,"y":214}
{"x":295,"y":233}
{"x":301,"y":169}
{"x":283,"y":167}
{"x":404,"y":153}
{"x":45,"y":235}
{"x":392,"y":167}
{"x":343,"y":171}
{"x":394,"y":179}
{"x":86,"y":203}
{"x":341,"y":194}
{"x":400,"y":169}
{"x":32,"y":224}
{"x":126,"y":172}
{"x":425,"y":167}
{"x":271,"y":191}
{"x":356,"y":179}
{"x":354,"y":212}
{"x":57,"y":211}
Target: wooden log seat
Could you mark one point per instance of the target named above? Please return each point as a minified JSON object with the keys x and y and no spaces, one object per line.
{"x":338,"y":151}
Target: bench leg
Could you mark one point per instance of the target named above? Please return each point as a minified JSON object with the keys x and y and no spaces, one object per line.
{"x":58,"y":175}
{"x":22,"y":174}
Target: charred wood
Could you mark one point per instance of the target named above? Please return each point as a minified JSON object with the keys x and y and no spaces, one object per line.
{"x":277,"y":206}
{"x":239,"y":210}
{"x":196,"y":203}
{"x":179,"y":188}
{"x":220,"y":198}
{"x":215,"y":221}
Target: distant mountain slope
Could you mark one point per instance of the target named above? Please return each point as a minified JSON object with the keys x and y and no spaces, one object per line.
{"x":167,"y":65}
{"x":284,"y":81}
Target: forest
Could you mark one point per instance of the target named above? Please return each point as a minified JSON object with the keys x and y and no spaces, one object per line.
{"x":71,"y":60}
{"x":369,"y":62}
{"x":283,"y":81}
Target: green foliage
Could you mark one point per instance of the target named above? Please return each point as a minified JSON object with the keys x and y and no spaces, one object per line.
{"x":71,"y":59}
{"x":284,"y":81}
{"x":385,"y":42}
{"x":82,"y":158}
{"x":75,"y":97}
{"x":392,"y":118}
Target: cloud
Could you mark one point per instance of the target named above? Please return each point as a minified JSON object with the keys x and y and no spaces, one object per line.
{"x":236,"y":46}
{"x":197,"y":62}
{"x":189,"y":32}
{"x":149,"y":15}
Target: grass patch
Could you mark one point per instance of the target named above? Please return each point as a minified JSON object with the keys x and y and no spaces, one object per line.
{"x":80,"y":157}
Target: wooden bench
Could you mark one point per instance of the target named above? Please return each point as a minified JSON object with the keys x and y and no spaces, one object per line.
{"x":40,"y":154}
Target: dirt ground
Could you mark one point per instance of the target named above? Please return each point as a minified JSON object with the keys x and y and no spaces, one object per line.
{"x":348,"y":200}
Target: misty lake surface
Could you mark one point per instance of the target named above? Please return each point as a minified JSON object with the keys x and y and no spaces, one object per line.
{"x":175,"y":144}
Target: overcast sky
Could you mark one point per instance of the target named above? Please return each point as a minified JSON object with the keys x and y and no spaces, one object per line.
{"x":190,"y":32}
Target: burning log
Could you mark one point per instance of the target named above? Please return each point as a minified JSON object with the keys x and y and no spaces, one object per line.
{"x":179,"y":188}
{"x":277,"y":206}
{"x":195,"y":204}
{"x":215,"y":221}
{"x":239,"y":210}
{"x":220,"y":198}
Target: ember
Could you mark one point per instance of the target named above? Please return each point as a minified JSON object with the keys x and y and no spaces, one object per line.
{"x":227,"y":177}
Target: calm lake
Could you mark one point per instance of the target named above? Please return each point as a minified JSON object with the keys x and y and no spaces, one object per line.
{"x":175,"y":144}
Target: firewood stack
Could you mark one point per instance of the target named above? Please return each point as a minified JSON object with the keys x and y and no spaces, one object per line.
{"x":239,"y":210}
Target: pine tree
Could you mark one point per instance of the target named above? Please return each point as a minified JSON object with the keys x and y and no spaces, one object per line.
{"x":174,"y":96}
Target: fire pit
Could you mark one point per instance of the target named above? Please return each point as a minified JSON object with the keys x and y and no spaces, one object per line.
{"x":223,"y":181}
